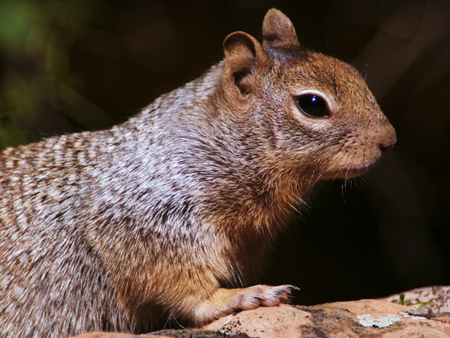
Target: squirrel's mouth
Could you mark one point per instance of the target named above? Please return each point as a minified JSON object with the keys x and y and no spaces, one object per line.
{"x":345,"y":173}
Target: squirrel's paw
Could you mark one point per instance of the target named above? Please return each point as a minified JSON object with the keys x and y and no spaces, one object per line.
{"x":226,"y":301}
{"x":257,"y":295}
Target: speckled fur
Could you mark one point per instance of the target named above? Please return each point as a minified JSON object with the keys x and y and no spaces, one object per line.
{"x":124,"y":228}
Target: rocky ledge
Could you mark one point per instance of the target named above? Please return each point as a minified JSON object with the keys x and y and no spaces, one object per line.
{"x":416,"y":313}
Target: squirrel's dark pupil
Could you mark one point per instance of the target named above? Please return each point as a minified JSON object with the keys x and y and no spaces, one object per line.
{"x":312,"y":105}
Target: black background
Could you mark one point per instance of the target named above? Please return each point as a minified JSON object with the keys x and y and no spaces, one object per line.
{"x":377,"y":235}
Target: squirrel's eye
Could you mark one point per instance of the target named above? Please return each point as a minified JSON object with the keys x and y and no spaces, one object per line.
{"x":312,"y":105}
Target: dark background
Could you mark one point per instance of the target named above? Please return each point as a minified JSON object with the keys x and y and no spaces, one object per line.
{"x":67,"y":66}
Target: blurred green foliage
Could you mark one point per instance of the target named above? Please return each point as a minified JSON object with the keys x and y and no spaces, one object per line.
{"x":36,"y":38}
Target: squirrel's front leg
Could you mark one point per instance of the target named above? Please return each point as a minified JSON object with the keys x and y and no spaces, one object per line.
{"x":225,"y":301}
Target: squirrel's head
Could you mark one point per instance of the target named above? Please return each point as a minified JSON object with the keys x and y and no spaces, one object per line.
{"x":314,"y":110}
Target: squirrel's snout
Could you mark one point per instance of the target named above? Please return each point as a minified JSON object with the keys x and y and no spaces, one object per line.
{"x":388,"y":141}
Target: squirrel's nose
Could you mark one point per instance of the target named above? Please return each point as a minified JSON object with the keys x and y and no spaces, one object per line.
{"x":389,"y":140}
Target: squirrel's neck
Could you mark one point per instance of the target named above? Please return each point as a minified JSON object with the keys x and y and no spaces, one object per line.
{"x":225,"y":161}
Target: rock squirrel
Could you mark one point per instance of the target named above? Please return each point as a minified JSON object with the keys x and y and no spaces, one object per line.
{"x":121,"y":229}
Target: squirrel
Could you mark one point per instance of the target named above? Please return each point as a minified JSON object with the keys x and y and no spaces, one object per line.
{"x":159,"y":217}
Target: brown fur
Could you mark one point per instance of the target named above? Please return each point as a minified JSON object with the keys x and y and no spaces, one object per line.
{"x":124,"y":228}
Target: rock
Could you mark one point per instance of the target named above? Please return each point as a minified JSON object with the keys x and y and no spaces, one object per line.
{"x":185,"y":333}
{"x":107,"y":335}
{"x":425,"y":316}
{"x":280,"y":321}
{"x":364,"y":318}
{"x":435,"y":298}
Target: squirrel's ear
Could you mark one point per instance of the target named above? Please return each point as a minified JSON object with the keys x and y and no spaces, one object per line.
{"x":245,"y":57}
{"x":278,"y":30}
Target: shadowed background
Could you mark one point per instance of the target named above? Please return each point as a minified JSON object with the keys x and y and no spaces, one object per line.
{"x":76,"y":65}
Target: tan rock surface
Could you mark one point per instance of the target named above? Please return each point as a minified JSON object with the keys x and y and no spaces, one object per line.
{"x":280,"y":321}
{"x":435,"y":298}
{"x":106,"y":335}
{"x":364,"y":318}
{"x":427,"y":317}
{"x":186,"y":333}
